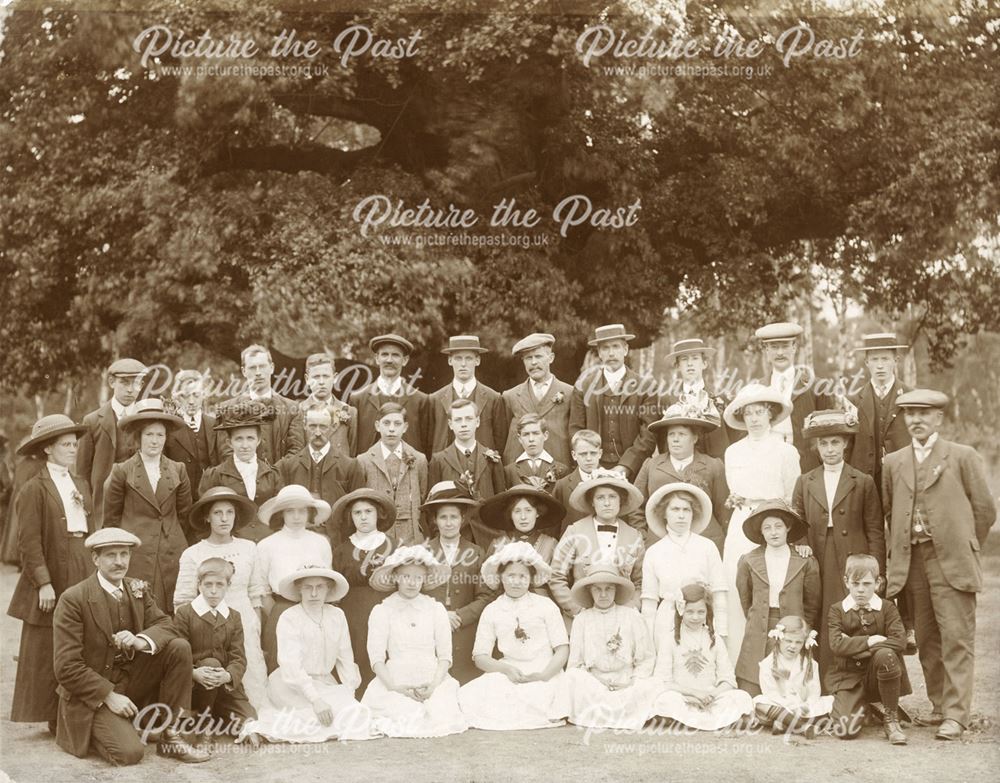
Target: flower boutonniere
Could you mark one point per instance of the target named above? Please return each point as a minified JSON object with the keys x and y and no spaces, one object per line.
{"x":408,"y":459}
{"x":550,"y":477}
{"x":519,"y":633}
{"x":138,"y":587}
{"x":77,"y":498}
{"x":718,"y":402}
{"x":536,"y":482}
{"x":615,"y":642}
{"x":343,"y":415}
{"x":936,"y":472}
{"x":491,"y":455}
{"x":467,"y":482}
{"x":559,"y":398}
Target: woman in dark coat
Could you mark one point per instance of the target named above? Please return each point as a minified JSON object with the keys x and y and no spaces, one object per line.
{"x":55,"y":515}
{"x":149,"y":495}
{"x":361,"y":520}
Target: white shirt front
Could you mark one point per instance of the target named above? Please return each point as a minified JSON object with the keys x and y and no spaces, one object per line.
{"x":923,"y":452}
{"x":681,"y":464}
{"x":831,"y":478}
{"x":386,"y":452}
{"x":534,"y":462}
{"x":119,"y":409}
{"x":464,"y":391}
{"x":201,"y":607}
{"x":881,"y":391}
{"x":368,"y":541}
{"x":450,"y":551}
{"x":776,"y":560}
{"x":784,"y":382}
{"x":152,"y":467}
{"x":541,"y":389}
{"x":193,"y":421}
{"x":318,"y":456}
{"x":606,"y":541}
{"x":248,"y":471}
{"x":76,"y":515}
{"x":584,"y":476}
{"x":389,"y":388}
{"x":694,"y":389}
{"x":613,"y":378}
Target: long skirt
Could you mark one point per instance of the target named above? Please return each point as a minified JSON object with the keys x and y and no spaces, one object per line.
{"x":357,"y":606}
{"x":255,"y":677}
{"x":735,"y":547}
{"x":727,"y":708}
{"x":290,"y":716}
{"x":833,"y":591}
{"x":807,"y":709}
{"x":396,"y":715}
{"x":35,"y":698}
{"x":493,"y":701}
{"x":593,"y":705}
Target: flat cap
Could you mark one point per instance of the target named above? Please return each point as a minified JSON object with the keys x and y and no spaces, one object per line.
{"x":783,"y":330}
{"x":922,"y":398}
{"x":125,"y":368}
{"x":111,"y":536}
{"x":532,"y":341}
{"x":394,"y":339}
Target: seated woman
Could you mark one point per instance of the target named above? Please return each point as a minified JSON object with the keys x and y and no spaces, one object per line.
{"x":409,"y":646}
{"x":611,"y":655}
{"x":524,"y":689}
{"x":693,"y":665}
{"x":308,"y":704}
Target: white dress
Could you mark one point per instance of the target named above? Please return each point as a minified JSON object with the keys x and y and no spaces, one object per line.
{"x":609,"y":675}
{"x":793,"y":692}
{"x":695,"y":662}
{"x":526,"y":630}
{"x":757,"y":468}
{"x":246,"y":589}
{"x":410,"y":636}
{"x":308,"y":653}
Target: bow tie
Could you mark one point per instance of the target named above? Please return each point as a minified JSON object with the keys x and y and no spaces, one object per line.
{"x":862,"y":607}
{"x":607,"y":528}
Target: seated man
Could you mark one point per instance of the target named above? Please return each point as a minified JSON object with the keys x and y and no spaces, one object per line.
{"x":115,"y":653}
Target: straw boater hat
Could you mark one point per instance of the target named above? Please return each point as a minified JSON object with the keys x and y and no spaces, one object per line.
{"x":246,"y":509}
{"x":778,"y":332}
{"x":797,"y":528}
{"x":437,"y":572}
{"x":657,"y":523}
{"x":149,"y":411}
{"x":447,"y":493}
{"x":339,"y":520}
{"x":822,"y":424}
{"x":749,"y":394}
{"x":691,"y":345}
{"x":703,"y":420}
{"x":494,"y":512}
{"x":516,"y":552}
{"x":882,"y":341}
{"x":601,"y":573}
{"x":393,"y":339}
{"x":605,"y":478}
{"x":922,"y":398}
{"x":111,"y":536}
{"x":532,"y":341}
{"x":610,"y":332}
{"x":288,"y":587}
{"x":464,"y":342}
{"x":293,"y":496}
{"x":46,"y":430}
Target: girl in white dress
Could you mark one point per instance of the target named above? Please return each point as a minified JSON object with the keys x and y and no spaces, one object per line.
{"x":224,"y":511}
{"x":524,"y":689}
{"x":681,"y":556}
{"x":409,"y":646}
{"x":611,"y":656}
{"x":759,"y":466}
{"x":698,"y":679}
{"x":790,"y":697}
{"x":308,"y":704}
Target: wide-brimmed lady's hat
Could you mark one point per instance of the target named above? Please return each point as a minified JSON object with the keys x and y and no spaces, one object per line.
{"x":293,"y":496}
{"x":246,"y":509}
{"x":437,"y":572}
{"x":146,"y":412}
{"x":47,"y":429}
{"x":495,"y":512}
{"x":689,"y":415}
{"x":657,"y":522}
{"x":822,"y":424}
{"x":602,"y":574}
{"x":340,"y":520}
{"x":797,"y":528}
{"x":290,"y":590}
{"x":881,"y":341}
{"x":247,"y":413}
{"x":610,"y":332}
{"x":516,"y":552}
{"x":605,"y":478}
{"x":756,"y":393}
{"x":447,"y":493}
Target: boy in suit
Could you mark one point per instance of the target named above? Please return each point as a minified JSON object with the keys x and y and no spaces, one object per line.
{"x":690,"y":358}
{"x":215,"y":633}
{"x":344,"y":419}
{"x":867,"y":641}
{"x":535,"y":466}
{"x":464,"y":354}
{"x":586,"y":453}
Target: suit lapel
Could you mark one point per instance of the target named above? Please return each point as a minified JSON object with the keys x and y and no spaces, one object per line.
{"x":165,"y":486}
{"x":666,"y":467}
{"x":375,"y":452}
{"x":184,"y":437}
{"x":755,"y":561}
{"x":451,"y":457}
{"x":50,"y":487}
{"x":934,"y":464}
{"x":795,"y":564}
{"x":845,"y":486}
{"x":99,"y":605}
{"x":110,"y":424}
{"x":817,"y":487}
{"x":908,"y":464}
{"x":548,"y":401}
{"x":139,"y":481}
{"x":138,"y":614}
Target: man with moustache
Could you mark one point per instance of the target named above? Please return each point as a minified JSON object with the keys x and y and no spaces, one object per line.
{"x":464,"y":354}
{"x":195,"y":445}
{"x":103,"y":444}
{"x":940,"y":511}
{"x":392,"y":353}
{"x":541,"y":393}
{"x":795,"y":384}
{"x":281,"y":432}
{"x":610,"y":399}
{"x":344,"y":419}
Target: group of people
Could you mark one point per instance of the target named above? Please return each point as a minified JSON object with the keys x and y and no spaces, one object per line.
{"x":414,"y":565}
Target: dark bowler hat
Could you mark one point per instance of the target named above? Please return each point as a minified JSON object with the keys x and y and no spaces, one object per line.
{"x":532,"y":341}
{"x":691,"y":345}
{"x":464,"y":342}
{"x":922,"y":398}
{"x":47,"y":429}
{"x":610,"y":332}
{"x":393,"y":339}
{"x":127,"y":368}
{"x":797,"y":528}
{"x":883,"y":341}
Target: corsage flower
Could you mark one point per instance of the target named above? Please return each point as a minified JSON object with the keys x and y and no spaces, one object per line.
{"x":138,"y":587}
{"x":559,"y":398}
{"x":615,"y":642}
{"x":519,"y":633}
{"x":491,"y":455}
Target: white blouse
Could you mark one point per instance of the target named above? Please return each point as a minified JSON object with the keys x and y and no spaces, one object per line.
{"x":307,"y":649}
{"x":401,"y":628}
{"x":525,"y":629}
{"x":285,"y":551}
{"x":759,"y":468}
{"x":248,"y":580}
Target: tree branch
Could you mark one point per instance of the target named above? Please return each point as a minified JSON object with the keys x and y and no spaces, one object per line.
{"x":288,"y":158}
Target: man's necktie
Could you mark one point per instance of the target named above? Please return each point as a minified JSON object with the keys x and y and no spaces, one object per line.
{"x":119,"y":594}
{"x":392,"y":463}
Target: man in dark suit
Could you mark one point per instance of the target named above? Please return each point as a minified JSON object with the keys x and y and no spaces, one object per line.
{"x":940,"y":511}
{"x":116,"y":653}
{"x":196,"y":445}
{"x":541,"y":393}
{"x":615,"y":402}
{"x":392,"y":353}
{"x":281,"y":432}
{"x":326,"y":473}
{"x":780,"y":341}
{"x":464,"y":354}
{"x":103,"y":444}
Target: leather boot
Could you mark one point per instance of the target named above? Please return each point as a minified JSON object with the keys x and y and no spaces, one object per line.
{"x":173,"y":744}
{"x":893,"y":731}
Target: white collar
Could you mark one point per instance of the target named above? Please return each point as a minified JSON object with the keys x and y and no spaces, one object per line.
{"x":615,"y":377}
{"x":848,"y":603}
{"x":885,"y":386}
{"x":193,"y":417}
{"x":544,"y":457}
{"x":107,"y":586}
{"x":681,"y":462}
{"x":681,"y":541}
{"x":119,"y":409}
{"x":253,"y":396}
{"x":789,"y":373}
{"x":471,"y":448}
{"x":697,"y":386}
{"x":584,"y":476}
{"x":201,"y":607}
{"x":393,"y":389}
{"x":150,"y":461}
{"x":927,"y":446}
{"x":777,"y":553}
{"x":57,"y":471}
{"x":368,"y":541}
{"x":386,"y":451}
{"x":598,"y":522}
{"x":322,"y":452}
{"x":838,"y":468}
{"x":542,"y":384}
{"x":245,"y":467}
{"x":459,"y":387}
